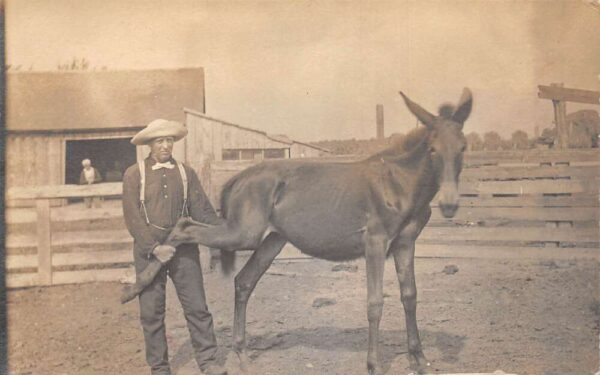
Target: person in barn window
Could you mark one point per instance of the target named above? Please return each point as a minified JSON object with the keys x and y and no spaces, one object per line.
{"x":89,"y":175}
{"x":149,"y":217}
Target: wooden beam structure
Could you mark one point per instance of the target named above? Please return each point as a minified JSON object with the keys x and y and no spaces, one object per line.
{"x":569,"y":95}
{"x":559,"y":96}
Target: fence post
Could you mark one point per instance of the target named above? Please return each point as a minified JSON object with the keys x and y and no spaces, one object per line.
{"x":44,"y":246}
{"x":560,"y":119}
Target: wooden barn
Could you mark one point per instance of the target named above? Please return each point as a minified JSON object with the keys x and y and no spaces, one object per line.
{"x":226,"y":141}
{"x":57,"y":119}
{"x":217,"y":148}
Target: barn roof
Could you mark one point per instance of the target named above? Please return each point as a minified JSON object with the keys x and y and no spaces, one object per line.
{"x":84,"y":100}
{"x":281,"y":138}
{"x":286,"y":139}
{"x":313,"y":146}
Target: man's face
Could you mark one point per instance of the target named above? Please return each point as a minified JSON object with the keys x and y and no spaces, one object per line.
{"x":161,"y":148}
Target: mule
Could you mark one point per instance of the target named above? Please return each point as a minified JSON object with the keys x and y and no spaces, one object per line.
{"x":373,"y":208}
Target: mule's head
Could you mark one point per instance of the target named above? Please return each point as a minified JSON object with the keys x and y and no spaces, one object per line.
{"x":447,"y":144}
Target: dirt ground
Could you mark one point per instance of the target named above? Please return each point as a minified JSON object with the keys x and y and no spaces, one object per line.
{"x":520,"y":316}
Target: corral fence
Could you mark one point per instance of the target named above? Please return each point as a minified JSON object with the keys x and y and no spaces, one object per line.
{"x":513,"y":203}
{"x":58,"y":246}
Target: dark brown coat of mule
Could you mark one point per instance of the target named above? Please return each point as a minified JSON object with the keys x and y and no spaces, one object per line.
{"x":374,"y":208}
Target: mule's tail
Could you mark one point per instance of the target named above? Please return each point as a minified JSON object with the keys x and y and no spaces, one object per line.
{"x":227,"y":257}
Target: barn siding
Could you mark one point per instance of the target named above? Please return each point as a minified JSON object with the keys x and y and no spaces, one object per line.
{"x":237,"y":138}
{"x":199,"y":148}
{"x":33,"y":161}
{"x":299,"y":150}
{"x":207,"y":137}
{"x":55,"y":157}
{"x":38,"y":159}
{"x":13,"y":147}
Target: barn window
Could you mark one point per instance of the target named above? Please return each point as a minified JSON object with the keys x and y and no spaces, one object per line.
{"x":110,"y":156}
{"x":275,"y":153}
{"x":254,"y":153}
{"x":251,"y":154}
{"x":231,"y":154}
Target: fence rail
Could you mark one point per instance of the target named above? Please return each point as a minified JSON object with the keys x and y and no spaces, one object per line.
{"x":526,"y":199}
{"x":511,"y":203}
{"x":44,"y":262}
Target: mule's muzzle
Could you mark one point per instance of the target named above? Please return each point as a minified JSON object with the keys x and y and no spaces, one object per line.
{"x":448,"y":199}
{"x":448,"y":210}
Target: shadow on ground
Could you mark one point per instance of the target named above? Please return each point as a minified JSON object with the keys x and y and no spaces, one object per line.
{"x":392,"y":343}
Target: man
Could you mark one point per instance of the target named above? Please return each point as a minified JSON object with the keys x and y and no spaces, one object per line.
{"x":89,"y":175}
{"x":151,"y":209}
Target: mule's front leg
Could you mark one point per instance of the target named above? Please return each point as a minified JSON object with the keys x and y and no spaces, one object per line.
{"x":375,"y":256}
{"x":245,"y":281}
{"x":404,"y":255}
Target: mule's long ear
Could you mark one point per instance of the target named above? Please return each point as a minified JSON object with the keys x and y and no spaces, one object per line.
{"x":423,"y":115}
{"x":463,"y":109}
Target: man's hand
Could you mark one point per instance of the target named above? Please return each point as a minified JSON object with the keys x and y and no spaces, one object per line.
{"x":164,"y":253}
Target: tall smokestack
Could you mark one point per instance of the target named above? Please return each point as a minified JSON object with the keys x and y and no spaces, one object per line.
{"x":379,"y":117}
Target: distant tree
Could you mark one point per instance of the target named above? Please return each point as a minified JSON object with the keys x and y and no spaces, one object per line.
{"x":492,"y":141}
{"x":584,"y":127}
{"x":474,"y":142}
{"x":75,"y":64}
{"x":506,"y":144}
{"x":355,"y":146}
{"x":548,"y":137}
{"x":519,"y":140}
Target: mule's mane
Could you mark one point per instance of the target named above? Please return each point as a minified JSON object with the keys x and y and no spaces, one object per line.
{"x":403,"y":146}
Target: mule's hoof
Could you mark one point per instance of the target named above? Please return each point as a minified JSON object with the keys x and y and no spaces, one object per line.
{"x":244,"y":362}
{"x":128,"y":294}
{"x":374,"y":369}
{"x":418,"y":363}
{"x":421,"y":371}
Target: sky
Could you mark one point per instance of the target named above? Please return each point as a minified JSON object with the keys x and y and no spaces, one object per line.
{"x":315,"y":70}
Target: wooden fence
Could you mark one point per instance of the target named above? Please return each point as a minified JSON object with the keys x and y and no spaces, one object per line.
{"x":512,"y":204}
{"x":47,"y":255}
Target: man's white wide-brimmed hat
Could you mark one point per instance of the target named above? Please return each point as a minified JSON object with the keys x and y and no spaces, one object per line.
{"x":160,"y":128}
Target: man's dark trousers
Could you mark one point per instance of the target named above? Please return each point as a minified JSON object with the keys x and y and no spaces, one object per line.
{"x":186,"y":274}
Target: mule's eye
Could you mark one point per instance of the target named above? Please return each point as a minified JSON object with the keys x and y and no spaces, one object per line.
{"x":432,"y":150}
{"x":463,"y":149}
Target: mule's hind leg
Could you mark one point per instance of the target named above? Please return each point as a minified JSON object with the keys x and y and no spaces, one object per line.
{"x":225,"y":236}
{"x":245,"y":281}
